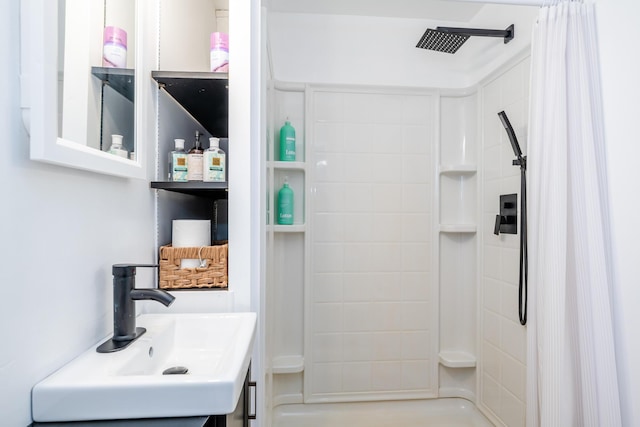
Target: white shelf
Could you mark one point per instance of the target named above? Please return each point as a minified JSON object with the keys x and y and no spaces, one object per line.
{"x":457,"y":359}
{"x":295,"y":228}
{"x":288,"y":364}
{"x":458,"y":228}
{"x":457,"y":169}
{"x":288,"y":165}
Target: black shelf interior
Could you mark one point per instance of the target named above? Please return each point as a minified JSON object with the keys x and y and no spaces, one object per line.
{"x":204,"y":95}
{"x":122,"y":80}
{"x":218,"y":190}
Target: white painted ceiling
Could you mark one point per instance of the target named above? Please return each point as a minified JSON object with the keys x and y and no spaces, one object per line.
{"x":441,"y":10}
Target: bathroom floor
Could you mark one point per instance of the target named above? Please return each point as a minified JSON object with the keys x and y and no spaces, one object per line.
{"x":414,"y":413}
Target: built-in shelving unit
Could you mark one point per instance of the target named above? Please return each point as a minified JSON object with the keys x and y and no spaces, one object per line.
{"x":286,"y":245}
{"x":457,"y":244}
{"x":204,"y":95}
{"x":122,"y":80}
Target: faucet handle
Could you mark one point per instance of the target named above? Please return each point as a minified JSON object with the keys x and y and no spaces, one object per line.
{"x":125,"y":270}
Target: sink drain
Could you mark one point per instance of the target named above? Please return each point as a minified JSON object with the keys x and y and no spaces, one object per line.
{"x":175,"y":370}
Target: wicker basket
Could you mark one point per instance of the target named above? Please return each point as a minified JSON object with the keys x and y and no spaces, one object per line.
{"x":215,"y":275}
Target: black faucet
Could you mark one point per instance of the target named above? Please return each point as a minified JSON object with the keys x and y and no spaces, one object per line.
{"x":124,"y":308}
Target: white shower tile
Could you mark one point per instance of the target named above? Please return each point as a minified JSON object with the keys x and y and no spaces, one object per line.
{"x":386,"y":376}
{"x":357,"y":317}
{"x":514,"y":339}
{"x":358,"y":168}
{"x":492,"y":129}
{"x":328,"y":258}
{"x":327,"y":317}
{"x":358,"y":346}
{"x":418,"y":109}
{"x":388,"y":108}
{"x":386,"y":138}
{"x":491,"y":294}
{"x":385,"y":258}
{"x":507,"y":169}
{"x":358,"y":197}
{"x":327,"y":377}
{"x":415,"y":286}
{"x":386,"y":168}
{"x":417,"y":140}
{"x":358,"y":228}
{"x":416,"y":227}
{"x":511,"y":86}
{"x":492,"y":262}
{"x":416,"y":198}
{"x":514,"y":377}
{"x":416,"y":256}
{"x":327,"y":347}
{"x":491,"y":97}
{"x":328,"y":107}
{"x":490,"y":394}
{"x":386,"y":227}
{"x":386,"y":316}
{"x":360,"y":107}
{"x":509,"y":306}
{"x":357,"y":257}
{"x":357,"y":287}
{"x":329,"y":197}
{"x":510,"y":265}
{"x":491,"y":162}
{"x":387,"y":346}
{"x":415,"y":315}
{"x":385,"y":287}
{"x":358,"y":138}
{"x":491,"y":327}
{"x":491,"y":357}
{"x":491,"y":197}
{"x":388,"y":198}
{"x":356,"y":377}
{"x":328,"y":137}
{"x":416,"y":345}
{"x":488,"y":223}
{"x":512,"y":410}
{"x":416,"y":375}
{"x":328,"y":227}
{"x":327,"y":287}
{"x":416,"y":168}
{"x":329,"y":167}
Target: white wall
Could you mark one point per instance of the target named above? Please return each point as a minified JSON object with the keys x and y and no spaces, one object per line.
{"x":502,"y":367}
{"x":618,"y":36}
{"x":61,"y":231}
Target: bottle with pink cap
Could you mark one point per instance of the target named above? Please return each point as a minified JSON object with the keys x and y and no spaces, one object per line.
{"x":114,"y":48}
{"x":219,"y":52}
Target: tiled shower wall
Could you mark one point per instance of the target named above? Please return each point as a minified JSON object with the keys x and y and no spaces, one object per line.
{"x":502,"y":367}
{"x":372,"y":325}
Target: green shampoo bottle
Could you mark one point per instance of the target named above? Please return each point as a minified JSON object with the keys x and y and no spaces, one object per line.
{"x":287,"y":142}
{"x":285,"y":204}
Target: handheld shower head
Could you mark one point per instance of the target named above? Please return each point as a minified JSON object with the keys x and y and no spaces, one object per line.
{"x":512,"y":135}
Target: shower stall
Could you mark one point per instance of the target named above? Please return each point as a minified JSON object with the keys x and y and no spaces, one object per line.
{"x":390,"y":301}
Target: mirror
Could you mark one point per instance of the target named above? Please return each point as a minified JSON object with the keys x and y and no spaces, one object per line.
{"x":96,"y":64}
{"x":71,"y":103}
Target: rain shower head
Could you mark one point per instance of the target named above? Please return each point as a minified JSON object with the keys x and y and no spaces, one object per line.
{"x":512,"y":135}
{"x":449,"y":39}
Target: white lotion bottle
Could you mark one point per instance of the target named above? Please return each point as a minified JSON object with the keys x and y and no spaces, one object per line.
{"x":214,"y":162}
{"x":116,"y":147}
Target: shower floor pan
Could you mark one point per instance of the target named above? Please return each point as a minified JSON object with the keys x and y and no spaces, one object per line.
{"x":405,"y":413}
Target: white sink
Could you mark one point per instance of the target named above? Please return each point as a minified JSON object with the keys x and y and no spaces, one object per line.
{"x":215,"y":348}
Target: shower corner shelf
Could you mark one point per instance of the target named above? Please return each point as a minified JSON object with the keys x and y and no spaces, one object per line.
{"x":288,"y":364}
{"x":458,"y":228}
{"x":295,"y":228}
{"x":457,"y":169}
{"x":288,"y":165}
{"x":457,"y":359}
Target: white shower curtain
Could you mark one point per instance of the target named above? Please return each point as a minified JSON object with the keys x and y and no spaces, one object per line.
{"x":571,"y":362}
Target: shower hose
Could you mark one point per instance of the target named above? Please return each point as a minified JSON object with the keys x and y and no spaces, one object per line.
{"x":524,"y":264}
